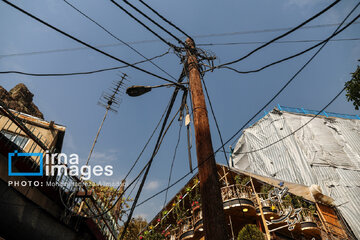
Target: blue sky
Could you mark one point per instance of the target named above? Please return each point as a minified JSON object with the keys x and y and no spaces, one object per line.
{"x":72,"y":101}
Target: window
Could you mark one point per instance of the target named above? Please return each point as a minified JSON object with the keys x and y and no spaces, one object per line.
{"x":20,"y":141}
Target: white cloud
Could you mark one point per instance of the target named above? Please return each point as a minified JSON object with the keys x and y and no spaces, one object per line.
{"x":152,"y":185}
{"x":106,"y":157}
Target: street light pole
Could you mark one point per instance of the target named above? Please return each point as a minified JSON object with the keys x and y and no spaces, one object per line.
{"x":211,"y":201}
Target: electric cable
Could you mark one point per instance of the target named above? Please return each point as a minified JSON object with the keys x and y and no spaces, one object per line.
{"x":84,"y":43}
{"x":121,"y":195}
{"x":147,"y":143}
{"x":280,"y":42}
{"x":163,"y":18}
{"x":294,"y":76}
{"x":187,"y":174}
{"x":117,"y":38}
{"x":139,"y":156}
{"x":136,"y":183}
{"x":297,"y":54}
{"x":299,"y":128}
{"x":142,"y":24}
{"x":282,"y":35}
{"x":234,"y":135}
{"x":214,"y":117}
{"x":196,"y":37}
{"x":266,"y":30}
{"x":135,"y":180}
{"x":167,"y":128}
{"x":220,"y":136}
{"x":154,"y":22}
{"x":156,"y":148}
{"x":78,"y":73}
{"x":173,"y":160}
{"x":168,"y":110}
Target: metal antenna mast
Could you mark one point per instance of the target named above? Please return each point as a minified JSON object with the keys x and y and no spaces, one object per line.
{"x":110,"y":101}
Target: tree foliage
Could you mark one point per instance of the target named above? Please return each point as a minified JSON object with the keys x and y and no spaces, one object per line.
{"x":107,"y":196}
{"x":353,"y":89}
{"x":135,"y":227}
{"x":250,"y":232}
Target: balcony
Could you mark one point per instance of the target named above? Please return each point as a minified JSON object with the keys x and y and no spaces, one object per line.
{"x":238,"y":199}
{"x":309,"y":224}
{"x":270,"y":210}
{"x":198,"y":221}
{"x":186,"y":230}
{"x":288,"y":216}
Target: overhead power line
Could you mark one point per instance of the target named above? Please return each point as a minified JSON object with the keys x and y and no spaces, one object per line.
{"x":297,"y":54}
{"x":299,"y":128}
{"x":154,"y":22}
{"x":266,"y":30}
{"x":195,"y":36}
{"x":86,"y":44}
{"x":147,"y":143}
{"x":215,"y":119}
{"x":142,"y":24}
{"x":117,"y":38}
{"x":137,"y":160}
{"x":315,"y":54}
{"x":78,"y":73}
{"x":237,"y":132}
{"x":136,"y":179}
{"x":292,"y":78}
{"x":188,"y":173}
{"x":282,"y":35}
{"x":173,"y":160}
{"x":280,"y":42}
{"x":155,"y":151}
{"x":163,"y":18}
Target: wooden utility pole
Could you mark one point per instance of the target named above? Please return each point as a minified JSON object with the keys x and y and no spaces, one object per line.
{"x":211,"y":201}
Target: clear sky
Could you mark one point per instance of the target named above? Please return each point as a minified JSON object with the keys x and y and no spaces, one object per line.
{"x":72,"y":101}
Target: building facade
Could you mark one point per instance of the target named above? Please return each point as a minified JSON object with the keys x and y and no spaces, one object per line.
{"x":256,"y":207}
{"x":294,"y":145}
{"x":34,"y":205}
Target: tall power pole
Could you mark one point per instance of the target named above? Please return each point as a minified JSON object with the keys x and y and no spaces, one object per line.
{"x":211,"y":201}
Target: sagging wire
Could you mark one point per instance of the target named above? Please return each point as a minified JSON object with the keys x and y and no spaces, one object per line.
{"x":234,"y":135}
{"x":155,"y":151}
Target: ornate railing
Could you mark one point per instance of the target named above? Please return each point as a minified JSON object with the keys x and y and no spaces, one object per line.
{"x":236,"y":191}
{"x":186,"y":229}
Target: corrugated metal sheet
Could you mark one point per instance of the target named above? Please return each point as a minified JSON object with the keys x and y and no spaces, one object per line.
{"x":326,"y":152}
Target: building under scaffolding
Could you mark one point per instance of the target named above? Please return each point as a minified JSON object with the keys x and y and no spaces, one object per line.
{"x":279,"y":209}
{"x":324,"y":152}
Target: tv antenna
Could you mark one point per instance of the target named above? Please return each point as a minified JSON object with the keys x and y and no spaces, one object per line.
{"x":111,"y":101}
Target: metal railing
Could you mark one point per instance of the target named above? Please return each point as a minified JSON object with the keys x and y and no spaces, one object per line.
{"x":186,"y":226}
{"x":236,"y":191}
{"x":198,"y":216}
